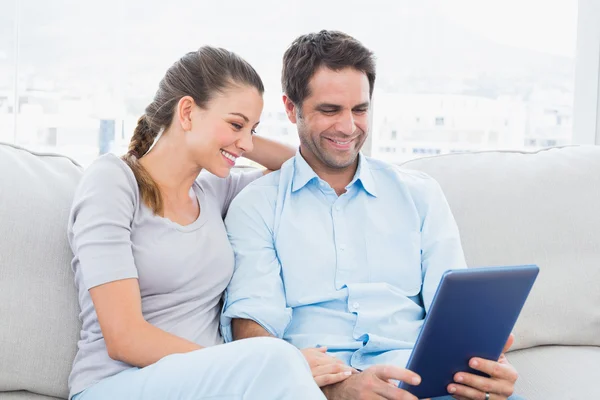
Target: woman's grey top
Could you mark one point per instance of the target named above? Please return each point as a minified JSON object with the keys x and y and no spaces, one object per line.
{"x":182,"y":270}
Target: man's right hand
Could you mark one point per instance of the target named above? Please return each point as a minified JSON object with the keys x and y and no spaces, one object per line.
{"x":326,"y":369}
{"x":374,"y":383}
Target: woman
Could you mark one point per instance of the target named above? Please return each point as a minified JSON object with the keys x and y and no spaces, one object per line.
{"x":151,"y":255}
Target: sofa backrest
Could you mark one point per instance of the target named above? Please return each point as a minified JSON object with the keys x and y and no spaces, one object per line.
{"x":533,"y":208}
{"x":39,"y":325}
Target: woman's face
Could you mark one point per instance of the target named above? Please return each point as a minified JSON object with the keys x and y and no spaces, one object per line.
{"x":222,"y":132}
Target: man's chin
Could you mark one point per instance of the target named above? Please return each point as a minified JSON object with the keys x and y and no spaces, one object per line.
{"x":339,"y":162}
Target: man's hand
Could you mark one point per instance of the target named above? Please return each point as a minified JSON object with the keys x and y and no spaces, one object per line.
{"x":326,"y":369}
{"x":500,"y":385}
{"x":374,"y":383}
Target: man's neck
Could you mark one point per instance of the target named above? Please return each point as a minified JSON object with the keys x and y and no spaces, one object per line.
{"x":337,"y":178}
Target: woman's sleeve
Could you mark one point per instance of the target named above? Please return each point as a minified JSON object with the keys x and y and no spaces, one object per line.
{"x":100,"y":224}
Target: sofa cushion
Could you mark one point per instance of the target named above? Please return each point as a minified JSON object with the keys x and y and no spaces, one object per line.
{"x":38,"y":302}
{"x":557,"y":372}
{"x":533,"y":208}
{"x":24,"y":396}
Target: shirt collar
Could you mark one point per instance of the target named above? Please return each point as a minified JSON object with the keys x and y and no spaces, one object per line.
{"x":303,"y":174}
{"x":365,"y":176}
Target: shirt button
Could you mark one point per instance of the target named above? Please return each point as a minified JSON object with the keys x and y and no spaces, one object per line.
{"x":355,"y":305}
{"x":338,"y":208}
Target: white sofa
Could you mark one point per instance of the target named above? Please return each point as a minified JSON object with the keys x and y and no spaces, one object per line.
{"x":511,"y":208}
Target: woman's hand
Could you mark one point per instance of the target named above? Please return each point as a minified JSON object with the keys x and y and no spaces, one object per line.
{"x":326,"y":369}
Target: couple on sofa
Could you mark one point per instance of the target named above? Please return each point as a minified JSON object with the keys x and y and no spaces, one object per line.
{"x":327,"y":266}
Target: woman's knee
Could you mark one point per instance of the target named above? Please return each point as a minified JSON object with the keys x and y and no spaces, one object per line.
{"x":271,"y":345}
{"x":277,"y":351}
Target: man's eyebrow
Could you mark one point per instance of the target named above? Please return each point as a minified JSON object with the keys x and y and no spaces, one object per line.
{"x":240,"y":115}
{"x":336,"y":106}
{"x":328,"y":105}
{"x":362,"y":105}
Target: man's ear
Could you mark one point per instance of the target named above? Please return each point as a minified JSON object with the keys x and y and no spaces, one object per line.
{"x":290,"y":109}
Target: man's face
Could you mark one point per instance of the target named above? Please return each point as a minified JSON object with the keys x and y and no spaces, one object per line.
{"x":333,"y":121}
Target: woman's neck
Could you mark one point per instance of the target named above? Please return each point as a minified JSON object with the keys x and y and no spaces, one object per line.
{"x":172,"y":171}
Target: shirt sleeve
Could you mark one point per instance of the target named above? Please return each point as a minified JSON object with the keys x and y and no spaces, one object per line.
{"x":100,"y":224}
{"x":256,"y":289}
{"x":226,"y":189}
{"x":440,"y":241}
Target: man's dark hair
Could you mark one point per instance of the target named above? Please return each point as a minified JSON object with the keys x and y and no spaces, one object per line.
{"x":332,"y":49}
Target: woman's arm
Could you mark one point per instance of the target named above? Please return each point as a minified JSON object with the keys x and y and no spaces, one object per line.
{"x":269,"y":153}
{"x":99,"y":232}
{"x":129,"y":337}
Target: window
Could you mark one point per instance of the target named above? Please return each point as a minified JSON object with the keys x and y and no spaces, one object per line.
{"x":426,"y":151}
{"x":387,"y":149}
{"x":484,"y":77}
{"x":8,"y":45}
{"x":449,"y":72}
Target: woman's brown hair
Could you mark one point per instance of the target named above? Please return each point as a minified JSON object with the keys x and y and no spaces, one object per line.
{"x":199,"y":74}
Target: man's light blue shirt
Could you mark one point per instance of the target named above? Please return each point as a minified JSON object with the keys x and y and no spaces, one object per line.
{"x":355,"y":272}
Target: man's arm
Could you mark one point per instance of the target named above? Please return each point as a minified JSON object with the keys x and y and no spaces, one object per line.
{"x":246,"y":328}
{"x":255,"y":292}
{"x":442,"y":250}
{"x":441,"y":247}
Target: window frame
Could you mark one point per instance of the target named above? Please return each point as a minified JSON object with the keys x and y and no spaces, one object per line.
{"x":16,"y":65}
{"x":586,"y":105}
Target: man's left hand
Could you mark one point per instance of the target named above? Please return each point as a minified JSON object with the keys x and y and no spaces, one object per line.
{"x":500,"y":385}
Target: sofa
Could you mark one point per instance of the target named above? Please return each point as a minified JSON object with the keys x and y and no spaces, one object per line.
{"x":511,"y":208}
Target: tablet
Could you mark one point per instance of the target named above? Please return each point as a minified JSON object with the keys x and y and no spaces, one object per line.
{"x":472,"y":315}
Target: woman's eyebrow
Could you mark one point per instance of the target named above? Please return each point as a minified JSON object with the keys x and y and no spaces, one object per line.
{"x":240,"y":115}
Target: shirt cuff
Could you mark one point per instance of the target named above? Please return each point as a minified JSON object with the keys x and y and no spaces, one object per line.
{"x":274,"y":320}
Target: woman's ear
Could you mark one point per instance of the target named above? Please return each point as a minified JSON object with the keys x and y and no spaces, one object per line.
{"x":185,"y":106}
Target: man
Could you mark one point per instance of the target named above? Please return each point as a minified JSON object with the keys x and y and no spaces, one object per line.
{"x":340,"y":251}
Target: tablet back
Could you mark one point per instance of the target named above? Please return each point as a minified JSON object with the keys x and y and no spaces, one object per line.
{"x":472,"y":314}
